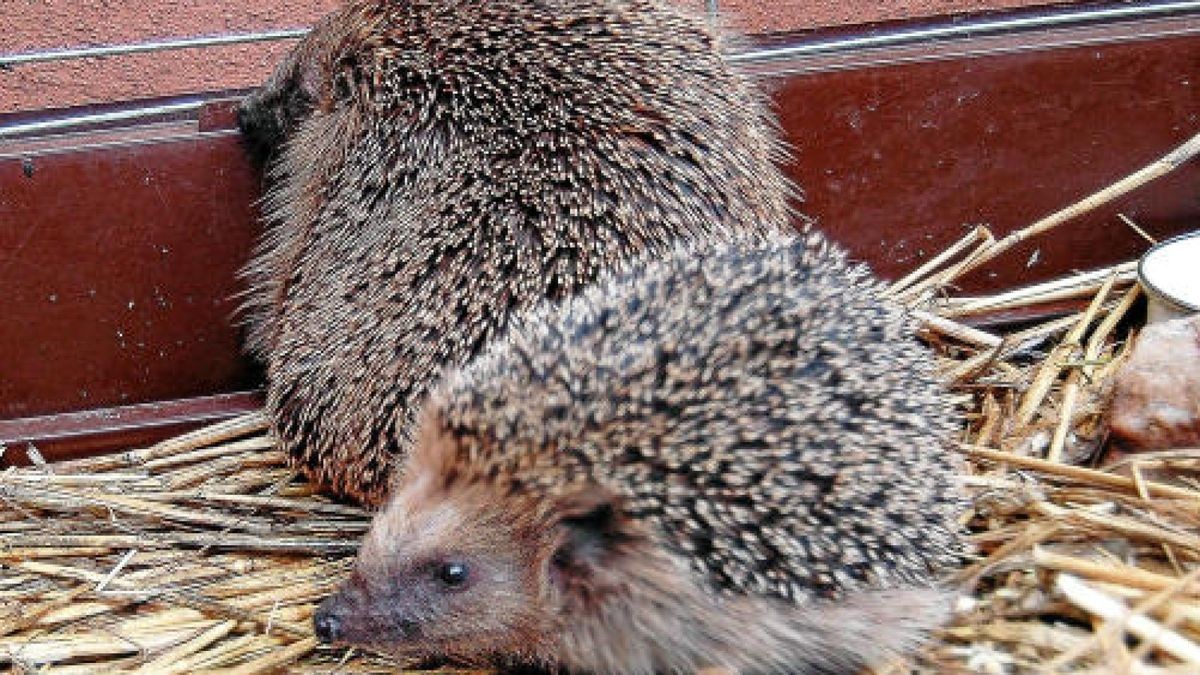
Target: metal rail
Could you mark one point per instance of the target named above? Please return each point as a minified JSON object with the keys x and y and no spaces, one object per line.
{"x":98,"y":119}
{"x":1044,"y":30}
{"x":1009,"y":26}
{"x":168,"y":44}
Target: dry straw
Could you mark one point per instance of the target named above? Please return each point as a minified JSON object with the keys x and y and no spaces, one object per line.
{"x":206,"y":553}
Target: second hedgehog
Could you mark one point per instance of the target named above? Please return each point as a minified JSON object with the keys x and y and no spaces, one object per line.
{"x":737,"y":457}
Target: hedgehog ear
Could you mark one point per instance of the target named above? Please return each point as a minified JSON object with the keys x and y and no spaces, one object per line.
{"x":590,"y":532}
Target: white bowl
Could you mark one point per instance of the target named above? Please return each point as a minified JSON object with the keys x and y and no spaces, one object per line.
{"x":1170,"y":274}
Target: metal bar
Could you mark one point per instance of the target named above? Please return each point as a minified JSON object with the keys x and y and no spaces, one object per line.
{"x":42,"y":56}
{"x":713,"y":7}
{"x":95,"y":119}
{"x":970,"y":29}
{"x":977,"y":47}
{"x":89,"y":432}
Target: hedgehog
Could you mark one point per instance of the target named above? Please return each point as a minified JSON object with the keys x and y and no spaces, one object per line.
{"x":735,"y":457}
{"x":436,"y":165}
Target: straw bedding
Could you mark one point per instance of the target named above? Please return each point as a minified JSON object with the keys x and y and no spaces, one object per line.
{"x":206,"y":552}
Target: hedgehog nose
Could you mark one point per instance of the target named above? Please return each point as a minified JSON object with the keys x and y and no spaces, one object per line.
{"x":327,"y":625}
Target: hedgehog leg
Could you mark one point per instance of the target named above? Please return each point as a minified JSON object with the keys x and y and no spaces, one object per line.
{"x":868,"y":627}
{"x":862,"y":629}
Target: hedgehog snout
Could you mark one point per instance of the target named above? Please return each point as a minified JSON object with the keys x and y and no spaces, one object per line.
{"x":355,"y":614}
{"x":261,"y":130}
{"x":249,"y":112}
{"x":339,"y":617}
{"x":328,"y":621}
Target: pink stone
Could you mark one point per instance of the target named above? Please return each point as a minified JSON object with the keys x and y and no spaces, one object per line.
{"x":1156,"y":397}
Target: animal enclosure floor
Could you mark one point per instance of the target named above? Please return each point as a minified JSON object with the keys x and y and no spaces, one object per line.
{"x":206,"y":552}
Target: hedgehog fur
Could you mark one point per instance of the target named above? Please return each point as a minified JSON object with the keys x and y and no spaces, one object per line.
{"x":735,"y":457}
{"x":435,"y":165}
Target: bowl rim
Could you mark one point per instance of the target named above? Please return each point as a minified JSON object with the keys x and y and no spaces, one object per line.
{"x":1156,"y":292}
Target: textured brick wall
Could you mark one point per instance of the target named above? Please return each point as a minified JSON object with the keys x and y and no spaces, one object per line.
{"x":38,"y":24}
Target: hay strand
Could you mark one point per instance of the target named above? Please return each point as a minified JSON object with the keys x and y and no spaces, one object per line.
{"x":1160,"y":167}
{"x":206,"y":552}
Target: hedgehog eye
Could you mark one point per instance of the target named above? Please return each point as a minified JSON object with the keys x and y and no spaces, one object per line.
{"x":346,"y":78}
{"x":342,"y":87}
{"x":453,"y":574}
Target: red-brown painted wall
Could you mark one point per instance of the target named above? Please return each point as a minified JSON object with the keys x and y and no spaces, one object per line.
{"x":40,"y":24}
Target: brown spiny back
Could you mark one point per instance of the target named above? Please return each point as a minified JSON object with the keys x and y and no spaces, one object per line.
{"x":439,"y":164}
{"x":754,"y":402}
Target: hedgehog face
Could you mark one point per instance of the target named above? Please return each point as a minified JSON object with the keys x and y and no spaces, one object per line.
{"x":460,"y":567}
{"x":312,"y":78}
{"x":436,"y":577}
{"x":271,"y":113}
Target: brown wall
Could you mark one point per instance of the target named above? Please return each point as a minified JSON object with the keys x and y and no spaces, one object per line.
{"x":41,"y":24}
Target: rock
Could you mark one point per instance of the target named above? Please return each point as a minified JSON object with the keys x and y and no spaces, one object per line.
{"x":1156,"y":397}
